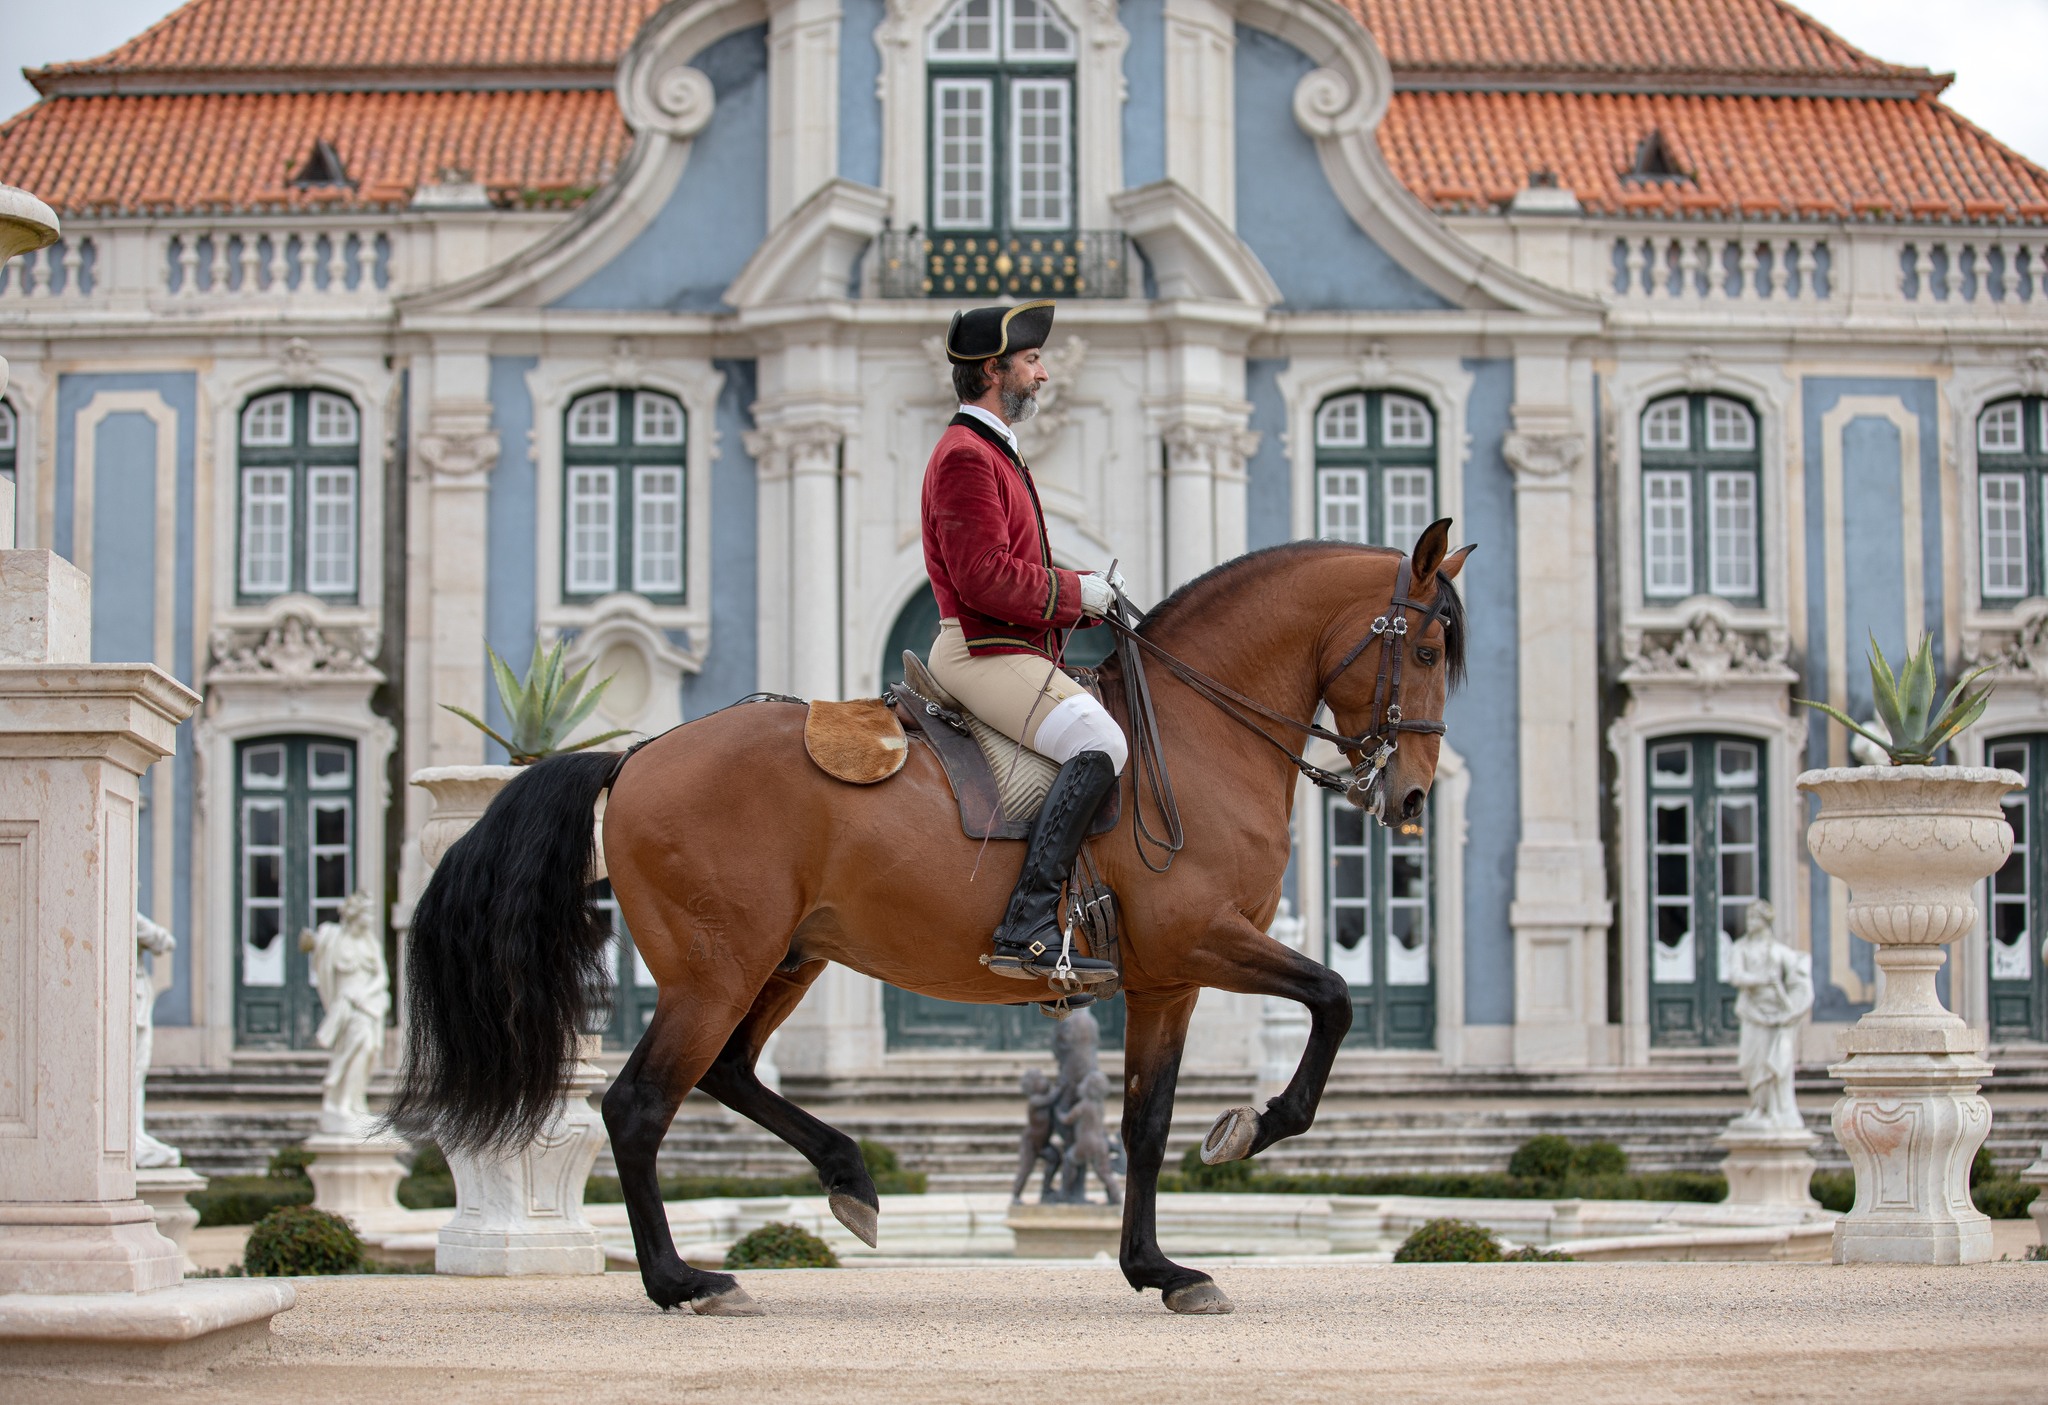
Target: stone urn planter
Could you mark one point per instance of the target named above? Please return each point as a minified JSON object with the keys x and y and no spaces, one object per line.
{"x":520,"y":1214}
{"x":1912,"y":843}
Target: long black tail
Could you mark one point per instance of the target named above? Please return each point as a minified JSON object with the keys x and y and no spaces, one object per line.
{"x":505,"y":964}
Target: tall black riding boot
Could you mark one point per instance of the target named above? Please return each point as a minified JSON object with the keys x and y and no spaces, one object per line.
{"x":1027,"y":944}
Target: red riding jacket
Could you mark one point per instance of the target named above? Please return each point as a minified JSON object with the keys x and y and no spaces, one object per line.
{"x":985,"y":546}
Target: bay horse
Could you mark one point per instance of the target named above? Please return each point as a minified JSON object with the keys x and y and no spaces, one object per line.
{"x":741,"y":869}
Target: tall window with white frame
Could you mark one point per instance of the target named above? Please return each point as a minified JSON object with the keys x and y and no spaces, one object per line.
{"x":2017,"y":913}
{"x":1702,"y":500}
{"x":1375,"y":468}
{"x":1378,"y":912}
{"x":2012,"y":460}
{"x":300,"y":462}
{"x":1706,"y":866}
{"x":295,"y":835}
{"x":624,"y":508}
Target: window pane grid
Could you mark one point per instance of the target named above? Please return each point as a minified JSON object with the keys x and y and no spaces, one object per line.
{"x":1998,"y":429}
{"x":1667,"y":534}
{"x":960,"y":153}
{"x":266,"y":531}
{"x":2012,"y":947}
{"x":1732,"y":497}
{"x":2002,"y":532}
{"x":1666,"y":426}
{"x":967,"y":32}
{"x":658,"y":530}
{"x":1349,"y":935}
{"x":1040,"y":136}
{"x":267,"y":422}
{"x":263,"y":891}
{"x":1340,"y":424}
{"x":1408,"y":506}
{"x":1672,"y":959}
{"x":333,"y":420}
{"x":1406,"y":884}
{"x":595,"y":419}
{"x":1036,"y":32}
{"x":656,"y":419}
{"x":1342,"y":504}
{"x":330,"y":856}
{"x":593,"y":529}
{"x":331,"y":531}
{"x":1404,"y":422}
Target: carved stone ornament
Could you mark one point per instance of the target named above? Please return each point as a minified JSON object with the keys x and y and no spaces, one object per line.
{"x":2018,"y":655}
{"x":1222,"y":447}
{"x":624,"y":366}
{"x":1543,"y":457}
{"x":297,"y":360}
{"x":1325,"y":105}
{"x":1707,"y":652}
{"x":1375,"y":366}
{"x":780,"y":449}
{"x":296,"y":650}
{"x":1701,"y":370}
{"x":2033,"y":371}
{"x":460,"y":444}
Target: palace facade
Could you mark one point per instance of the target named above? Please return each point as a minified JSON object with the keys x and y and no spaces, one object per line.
{"x":383,"y":331}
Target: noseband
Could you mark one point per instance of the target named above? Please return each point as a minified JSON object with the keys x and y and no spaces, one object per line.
{"x":1364,"y":784}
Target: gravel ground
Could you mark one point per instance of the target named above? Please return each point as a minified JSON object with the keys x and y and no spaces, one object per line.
{"x":1580,"y":1333}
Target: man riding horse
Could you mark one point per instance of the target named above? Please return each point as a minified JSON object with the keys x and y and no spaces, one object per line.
{"x":1003,"y":611}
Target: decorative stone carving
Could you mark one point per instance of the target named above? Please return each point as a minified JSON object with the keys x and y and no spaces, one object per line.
{"x":1912,"y":843}
{"x":1702,"y":370}
{"x":152,"y":940}
{"x":523,"y":1214}
{"x":296,"y":650}
{"x":1707,"y":652}
{"x":2033,"y":371}
{"x":1325,"y":104}
{"x":297,"y":362}
{"x":795,"y":447}
{"x":624,"y":365}
{"x":355,"y":993}
{"x":1774,"y":986}
{"x":460,"y":444}
{"x":2017,"y":654}
{"x":1375,"y":366}
{"x":1221,"y":448}
{"x":1543,"y":457}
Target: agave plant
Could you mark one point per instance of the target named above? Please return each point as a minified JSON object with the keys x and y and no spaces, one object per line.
{"x":1905,"y":706}
{"x":544,"y":707}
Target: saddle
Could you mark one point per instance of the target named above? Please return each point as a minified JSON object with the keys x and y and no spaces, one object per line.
{"x":1001,"y":784}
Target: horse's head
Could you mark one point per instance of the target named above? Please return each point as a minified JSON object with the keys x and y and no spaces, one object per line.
{"x":1392,"y":690}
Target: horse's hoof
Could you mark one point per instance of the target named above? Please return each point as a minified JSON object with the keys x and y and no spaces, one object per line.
{"x":1231,"y":1138}
{"x":1202,"y":1299}
{"x":856,"y":1215}
{"x":733,"y":1302}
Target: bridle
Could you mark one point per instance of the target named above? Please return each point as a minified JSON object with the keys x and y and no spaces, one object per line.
{"x":1368,"y":752}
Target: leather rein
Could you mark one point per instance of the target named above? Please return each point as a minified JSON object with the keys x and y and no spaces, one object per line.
{"x":1369,"y":753}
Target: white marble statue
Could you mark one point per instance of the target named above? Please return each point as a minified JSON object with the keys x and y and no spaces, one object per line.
{"x":355,"y":992}
{"x":150,"y":939}
{"x":1775,"y":992}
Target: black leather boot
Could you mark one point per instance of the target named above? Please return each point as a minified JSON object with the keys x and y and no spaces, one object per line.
{"x":1027,"y":944}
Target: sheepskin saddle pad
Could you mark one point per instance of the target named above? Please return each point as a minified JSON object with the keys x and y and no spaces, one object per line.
{"x":860,"y":742}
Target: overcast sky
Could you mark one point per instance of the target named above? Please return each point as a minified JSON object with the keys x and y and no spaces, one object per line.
{"x":1996,"y":48}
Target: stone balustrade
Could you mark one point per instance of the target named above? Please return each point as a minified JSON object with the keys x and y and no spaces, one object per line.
{"x":1715,"y":268}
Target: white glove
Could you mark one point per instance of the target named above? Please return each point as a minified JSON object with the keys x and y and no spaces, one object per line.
{"x":1097,"y":594}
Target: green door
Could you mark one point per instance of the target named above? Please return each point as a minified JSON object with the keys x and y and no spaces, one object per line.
{"x":919,"y":1021}
{"x":631,"y":994}
{"x":1706,"y":863}
{"x":295,"y":836}
{"x":2019,"y":984}
{"x":1376,"y":926}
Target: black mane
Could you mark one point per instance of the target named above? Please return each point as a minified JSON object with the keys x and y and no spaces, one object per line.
{"x":1453,"y":603}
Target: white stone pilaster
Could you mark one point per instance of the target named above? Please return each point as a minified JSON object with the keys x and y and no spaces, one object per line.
{"x":803,"y":102}
{"x":800,"y":554}
{"x":459,"y":449}
{"x":1201,"y":85}
{"x":1205,"y":494}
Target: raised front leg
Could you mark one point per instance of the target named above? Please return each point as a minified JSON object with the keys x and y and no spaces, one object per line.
{"x":1240,"y":957}
{"x":1154,"y":1030}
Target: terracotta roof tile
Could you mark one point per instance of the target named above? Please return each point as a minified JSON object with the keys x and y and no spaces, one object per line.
{"x":1848,"y":158}
{"x":237,"y":151}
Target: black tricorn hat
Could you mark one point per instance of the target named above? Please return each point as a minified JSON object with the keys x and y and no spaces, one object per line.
{"x":982,"y":332}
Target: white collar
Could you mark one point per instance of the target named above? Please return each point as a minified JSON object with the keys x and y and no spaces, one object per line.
{"x":993,"y":422}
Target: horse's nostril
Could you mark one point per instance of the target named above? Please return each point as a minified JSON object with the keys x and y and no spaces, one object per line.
{"x":1411,"y":804}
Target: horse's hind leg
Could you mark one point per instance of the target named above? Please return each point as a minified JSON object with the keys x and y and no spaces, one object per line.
{"x":1155,"y":1029}
{"x":732,"y":1081}
{"x":680,"y":1043}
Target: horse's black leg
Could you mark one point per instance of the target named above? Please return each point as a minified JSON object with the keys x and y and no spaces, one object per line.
{"x":638,"y":1108}
{"x":731,"y":1080}
{"x":1242,"y":958}
{"x":1155,"y":1028}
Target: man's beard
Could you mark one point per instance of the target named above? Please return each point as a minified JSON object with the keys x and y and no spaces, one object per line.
{"x":1019,"y":405}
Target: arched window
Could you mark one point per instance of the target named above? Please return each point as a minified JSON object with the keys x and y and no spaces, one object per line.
{"x":1375,"y":468}
{"x":300,"y":460}
{"x":1002,"y":118}
{"x":624,"y":505}
{"x":1702,"y":499}
{"x":2012,"y":455}
{"x":1706,"y":866}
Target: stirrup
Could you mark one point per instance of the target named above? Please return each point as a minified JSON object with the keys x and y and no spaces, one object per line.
{"x":1040,"y":962}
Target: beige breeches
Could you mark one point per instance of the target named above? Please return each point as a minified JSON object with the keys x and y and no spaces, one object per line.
{"x":1013,"y":693}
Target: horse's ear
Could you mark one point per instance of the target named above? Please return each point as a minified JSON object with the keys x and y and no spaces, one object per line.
{"x":1455,"y":562}
{"x":1429,"y":549}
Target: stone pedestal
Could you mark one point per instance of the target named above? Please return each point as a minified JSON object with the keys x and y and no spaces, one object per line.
{"x":1066,"y":1231}
{"x":523,"y":1214}
{"x":164,"y":1189}
{"x":2037,"y":1175}
{"x":357,"y":1178}
{"x":1912,"y":843}
{"x":1769,"y":1166}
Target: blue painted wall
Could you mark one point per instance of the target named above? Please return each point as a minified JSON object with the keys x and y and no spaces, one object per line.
{"x":512,"y":570}
{"x":1269,"y":485}
{"x":731,"y":667}
{"x":1145,"y":84}
{"x":1481,"y":718}
{"x":125,"y":515}
{"x":1874,"y":592}
{"x":717,"y":216}
{"x":860,"y":110}
{"x":1286,"y":210}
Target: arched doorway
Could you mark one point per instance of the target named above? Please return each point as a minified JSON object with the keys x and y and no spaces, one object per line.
{"x":919,"y":1021}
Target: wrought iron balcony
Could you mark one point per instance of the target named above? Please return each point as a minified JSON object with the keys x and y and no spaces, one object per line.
{"x":1088,"y":263}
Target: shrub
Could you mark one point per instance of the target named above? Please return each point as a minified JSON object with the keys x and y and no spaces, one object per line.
{"x":1545,"y":1158}
{"x":1449,"y":1242}
{"x":781,"y":1246}
{"x":289,"y":1163}
{"x":247,"y":1199}
{"x":2003,"y":1198}
{"x":298,"y":1239}
{"x":1196,"y":1174}
{"x":1835,"y":1190}
{"x":1530,"y":1254}
{"x":1599,"y":1159}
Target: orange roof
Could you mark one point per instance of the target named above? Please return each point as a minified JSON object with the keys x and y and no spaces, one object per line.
{"x":1846,"y":158}
{"x":238,"y":151}
{"x":271,"y":36}
{"x":1749,"y":38}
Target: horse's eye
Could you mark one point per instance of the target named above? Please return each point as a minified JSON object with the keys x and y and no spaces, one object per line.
{"x":1425,"y":655}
